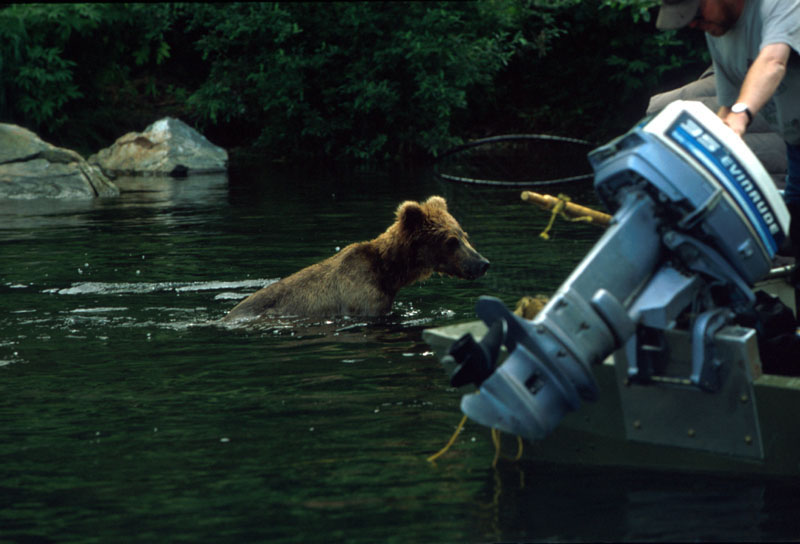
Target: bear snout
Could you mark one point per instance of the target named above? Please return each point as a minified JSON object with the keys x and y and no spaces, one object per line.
{"x":470,"y":264}
{"x":476,"y":266}
{"x":465,"y":262}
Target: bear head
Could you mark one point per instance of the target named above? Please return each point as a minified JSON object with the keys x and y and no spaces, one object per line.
{"x":436,"y":241}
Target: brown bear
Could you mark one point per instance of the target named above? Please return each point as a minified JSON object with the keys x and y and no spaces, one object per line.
{"x":363,"y":278}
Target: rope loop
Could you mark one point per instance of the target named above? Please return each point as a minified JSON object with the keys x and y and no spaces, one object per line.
{"x":557,"y":210}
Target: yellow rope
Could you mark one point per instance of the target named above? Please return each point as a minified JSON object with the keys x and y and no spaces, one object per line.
{"x":495,"y":440}
{"x":498,"y":446}
{"x":557,"y":210}
{"x":519,"y":448}
{"x":450,"y":442}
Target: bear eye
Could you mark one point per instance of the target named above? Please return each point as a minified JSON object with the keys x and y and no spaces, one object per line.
{"x":452,"y":243}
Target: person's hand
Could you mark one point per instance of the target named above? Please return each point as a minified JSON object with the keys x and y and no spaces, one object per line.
{"x":737,"y":121}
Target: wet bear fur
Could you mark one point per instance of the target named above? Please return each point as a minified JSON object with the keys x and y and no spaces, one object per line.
{"x":363,"y":278}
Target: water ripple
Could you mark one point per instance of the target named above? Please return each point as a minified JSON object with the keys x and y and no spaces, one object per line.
{"x":104,"y":288}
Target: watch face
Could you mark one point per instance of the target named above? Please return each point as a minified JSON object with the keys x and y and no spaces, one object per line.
{"x":739,"y":108}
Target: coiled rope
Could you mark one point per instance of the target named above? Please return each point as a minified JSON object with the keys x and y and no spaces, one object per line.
{"x":510,"y":138}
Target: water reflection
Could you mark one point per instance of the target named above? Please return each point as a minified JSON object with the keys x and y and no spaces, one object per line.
{"x":21,"y":218}
{"x":525,"y":501}
{"x":167,"y":191}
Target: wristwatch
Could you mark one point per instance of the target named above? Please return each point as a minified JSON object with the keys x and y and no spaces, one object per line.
{"x":741,"y":107}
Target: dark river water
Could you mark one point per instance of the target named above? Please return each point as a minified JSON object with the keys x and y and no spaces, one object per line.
{"x":128,"y":415}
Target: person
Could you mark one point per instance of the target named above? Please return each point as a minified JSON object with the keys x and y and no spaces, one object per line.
{"x":755,"y":50}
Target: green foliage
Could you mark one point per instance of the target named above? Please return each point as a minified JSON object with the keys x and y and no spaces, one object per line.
{"x":357,"y":80}
{"x":386,"y":77}
{"x":38,"y":80}
{"x":639,"y":9}
{"x":55,"y":54}
{"x":639,"y":61}
{"x":594,"y":76}
{"x":45,"y":81}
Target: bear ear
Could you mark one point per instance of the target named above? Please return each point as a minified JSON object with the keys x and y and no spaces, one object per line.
{"x":410,"y":215}
{"x":436,"y":202}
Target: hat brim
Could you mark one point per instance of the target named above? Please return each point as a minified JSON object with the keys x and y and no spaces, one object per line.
{"x":674,"y":16}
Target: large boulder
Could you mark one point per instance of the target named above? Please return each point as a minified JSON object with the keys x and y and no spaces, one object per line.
{"x":32,"y":168}
{"x":167,"y":147}
{"x":767,"y":145}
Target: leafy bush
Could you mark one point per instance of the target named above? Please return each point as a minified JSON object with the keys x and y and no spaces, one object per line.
{"x":61,"y":62}
{"x":38,"y":80}
{"x":357,"y":80}
{"x":599,"y":64}
{"x":384,"y":79}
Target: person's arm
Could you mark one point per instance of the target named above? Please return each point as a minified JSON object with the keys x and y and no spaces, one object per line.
{"x":760,"y":83}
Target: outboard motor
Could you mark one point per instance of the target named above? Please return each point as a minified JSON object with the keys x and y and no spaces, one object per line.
{"x":697,"y":221}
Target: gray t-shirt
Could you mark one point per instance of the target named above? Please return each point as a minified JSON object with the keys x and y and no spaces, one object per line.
{"x":763,"y":22}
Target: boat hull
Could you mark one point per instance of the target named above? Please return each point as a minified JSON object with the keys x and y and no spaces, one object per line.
{"x":601,"y":434}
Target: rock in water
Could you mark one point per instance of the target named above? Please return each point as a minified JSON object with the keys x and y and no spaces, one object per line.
{"x":167,"y":147}
{"x":32,"y":168}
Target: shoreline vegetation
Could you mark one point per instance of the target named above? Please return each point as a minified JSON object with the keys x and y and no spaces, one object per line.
{"x":341,"y":81}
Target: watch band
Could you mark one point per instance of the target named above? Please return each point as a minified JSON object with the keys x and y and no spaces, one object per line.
{"x":740,"y":107}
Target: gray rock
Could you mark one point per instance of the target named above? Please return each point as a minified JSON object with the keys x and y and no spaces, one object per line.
{"x":32,"y":168}
{"x":167,"y":147}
